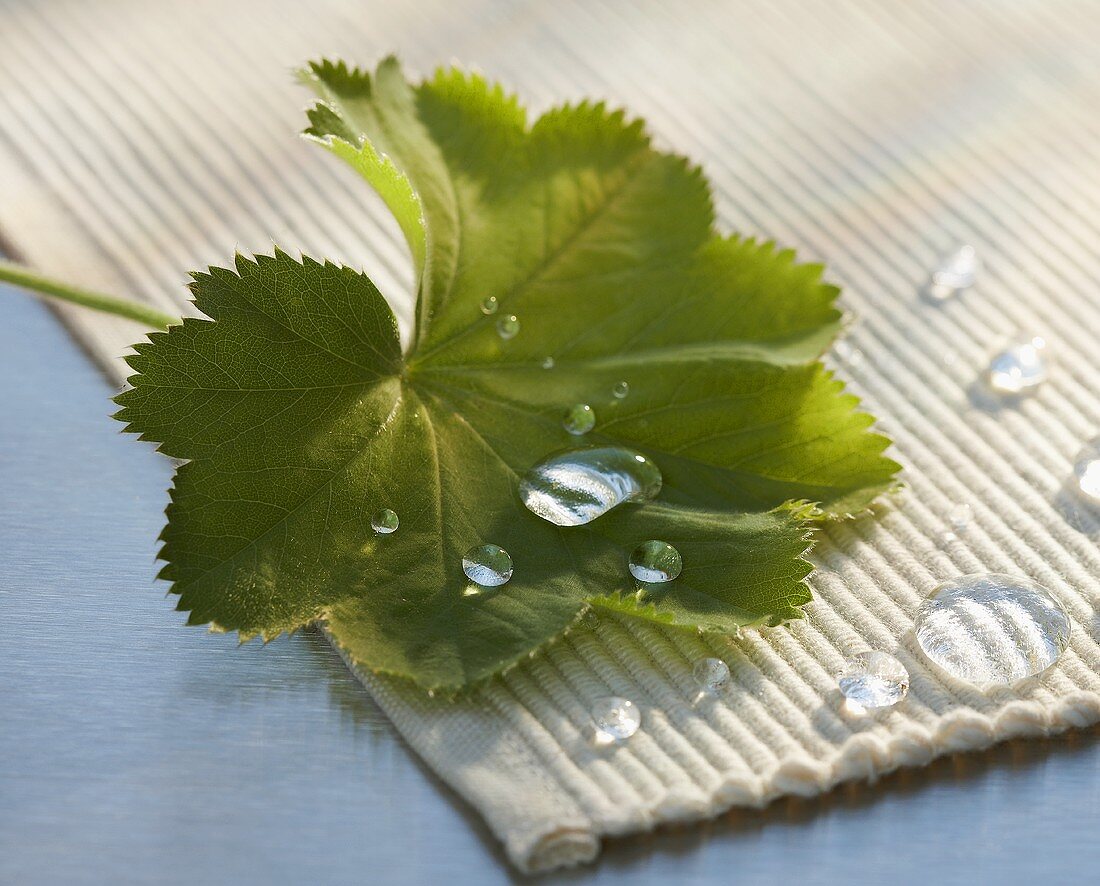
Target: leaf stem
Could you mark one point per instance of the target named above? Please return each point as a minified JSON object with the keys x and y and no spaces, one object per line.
{"x":27,"y":279}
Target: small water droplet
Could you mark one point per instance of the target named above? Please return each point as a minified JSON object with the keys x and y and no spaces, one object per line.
{"x":620,"y":390}
{"x":655,"y":561}
{"x":487,"y":565}
{"x":489,"y":305}
{"x":957,"y":272}
{"x":848,"y":353}
{"x":575,"y":487}
{"x":1019,"y":368}
{"x":579,"y":419}
{"x":615,"y":719}
{"x":548,"y":363}
{"x":960,"y":516}
{"x":508,"y":327}
{"x":992,"y":629}
{"x":385,"y":522}
{"x":873,"y":680}
{"x":1087,"y":473}
{"x":711,"y":674}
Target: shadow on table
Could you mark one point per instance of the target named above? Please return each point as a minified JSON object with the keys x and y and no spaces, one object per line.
{"x":1004,"y":762}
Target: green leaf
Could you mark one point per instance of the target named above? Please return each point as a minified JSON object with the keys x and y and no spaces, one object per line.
{"x":298,"y":417}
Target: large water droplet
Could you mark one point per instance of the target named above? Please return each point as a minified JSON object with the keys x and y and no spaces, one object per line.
{"x":873,"y":680}
{"x":655,"y":561}
{"x":992,"y":629}
{"x":489,"y":305}
{"x":508,"y":327}
{"x":579,"y":419}
{"x":711,"y":674}
{"x":957,"y":272}
{"x":385,"y":522}
{"x":1018,"y":369}
{"x":575,"y":487}
{"x":615,"y":719}
{"x":487,"y":565}
{"x":620,"y":390}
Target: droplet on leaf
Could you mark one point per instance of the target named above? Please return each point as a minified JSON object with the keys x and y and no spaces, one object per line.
{"x":487,"y":565}
{"x":655,"y":561}
{"x":575,"y":487}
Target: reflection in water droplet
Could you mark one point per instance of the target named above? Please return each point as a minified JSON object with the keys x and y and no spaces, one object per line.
{"x":487,"y":565}
{"x":620,"y":390}
{"x":711,"y":674}
{"x":548,"y":363}
{"x":873,"y":680}
{"x":385,"y":522}
{"x":992,"y":629}
{"x":957,"y":272}
{"x":489,"y":305}
{"x":507,"y":327}
{"x":655,"y":561}
{"x":615,"y":719}
{"x":575,"y":487}
{"x":1018,"y":369}
{"x":579,"y":419}
{"x":1087,"y":473}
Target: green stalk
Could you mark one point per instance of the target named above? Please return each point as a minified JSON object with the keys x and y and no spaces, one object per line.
{"x":97,"y":301}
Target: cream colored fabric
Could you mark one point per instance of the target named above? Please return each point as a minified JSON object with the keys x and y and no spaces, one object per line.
{"x":139,"y":140}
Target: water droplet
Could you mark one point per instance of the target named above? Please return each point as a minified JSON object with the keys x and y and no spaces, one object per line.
{"x":957,"y":272}
{"x":655,"y":561}
{"x":992,"y":629}
{"x":508,"y":327}
{"x":873,"y":680}
{"x":960,"y":516}
{"x":579,"y":419}
{"x":1019,"y":368}
{"x":548,"y":363}
{"x":575,"y":487}
{"x":615,"y":719}
{"x":489,"y":305}
{"x":711,"y":674}
{"x":1087,"y":473}
{"x":848,"y":353}
{"x":487,"y":565}
{"x":620,"y":390}
{"x":384,"y":522}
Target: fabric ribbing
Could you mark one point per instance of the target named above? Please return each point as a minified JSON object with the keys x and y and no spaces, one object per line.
{"x":141,"y":140}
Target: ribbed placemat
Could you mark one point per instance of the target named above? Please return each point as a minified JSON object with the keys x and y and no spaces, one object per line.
{"x":139,"y":140}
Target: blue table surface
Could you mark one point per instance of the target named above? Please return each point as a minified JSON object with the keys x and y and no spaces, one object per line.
{"x":135,"y":750}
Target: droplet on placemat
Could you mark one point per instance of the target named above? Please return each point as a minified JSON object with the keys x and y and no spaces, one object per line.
{"x":992,"y":629}
{"x":487,"y":565}
{"x":873,"y":680}
{"x":615,"y":719}
{"x":385,"y":522}
{"x":655,"y":561}
{"x":579,"y":419}
{"x":711,"y":674}
{"x":960,"y":517}
{"x":956,"y":273}
{"x":1019,"y":368}
{"x":573,"y":488}
{"x":1086,"y":472}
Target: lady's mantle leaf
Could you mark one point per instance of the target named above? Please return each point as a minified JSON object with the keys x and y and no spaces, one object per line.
{"x":298,"y":417}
